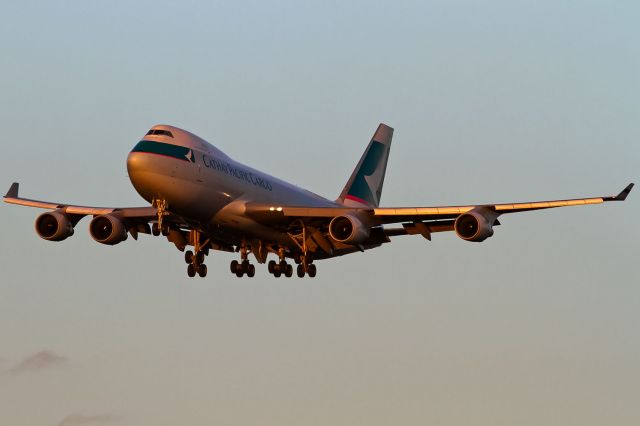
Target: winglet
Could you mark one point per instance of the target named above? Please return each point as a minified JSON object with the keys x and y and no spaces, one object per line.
{"x":623,"y":195}
{"x":13,"y":190}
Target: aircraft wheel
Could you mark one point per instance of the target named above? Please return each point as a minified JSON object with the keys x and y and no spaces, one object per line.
{"x":277,"y":273}
{"x":202,"y":270}
{"x":155,"y":231}
{"x":251,"y":271}
{"x":239,"y":273}
{"x":191,"y":270}
{"x":272,"y":266}
{"x":234,"y":267}
{"x":200,"y":257}
{"x":288,"y":272}
{"x":188,"y":256}
{"x":311,"y":270}
{"x":165,"y":231}
{"x":300,"y":270}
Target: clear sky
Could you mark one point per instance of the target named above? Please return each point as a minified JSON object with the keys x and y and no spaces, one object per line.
{"x":491,"y":102}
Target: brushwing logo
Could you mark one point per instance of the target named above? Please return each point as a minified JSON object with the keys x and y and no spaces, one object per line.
{"x":189,"y":156}
{"x":367,"y":183}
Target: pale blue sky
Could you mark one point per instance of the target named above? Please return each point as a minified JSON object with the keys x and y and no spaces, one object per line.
{"x":506,"y":101}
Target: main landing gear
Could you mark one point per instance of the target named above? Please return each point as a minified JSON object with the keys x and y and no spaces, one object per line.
{"x":244,"y":266}
{"x":278,"y":269}
{"x":195,"y":260}
{"x":310,"y":270}
{"x":195,"y":264}
{"x":305,"y":267}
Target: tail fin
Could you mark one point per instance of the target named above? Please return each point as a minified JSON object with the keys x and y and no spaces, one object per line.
{"x":364,"y":187}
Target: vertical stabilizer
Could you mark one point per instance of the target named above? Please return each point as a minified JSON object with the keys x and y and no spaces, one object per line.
{"x":364,"y":187}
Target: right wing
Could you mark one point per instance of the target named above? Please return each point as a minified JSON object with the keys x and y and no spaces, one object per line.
{"x":135,"y":220}
{"x":12,"y":197}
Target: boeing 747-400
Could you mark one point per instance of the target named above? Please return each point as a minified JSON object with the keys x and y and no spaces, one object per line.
{"x":201,"y":198}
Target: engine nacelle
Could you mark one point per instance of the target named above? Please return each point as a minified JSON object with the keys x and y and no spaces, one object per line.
{"x":54,"y":226}
{"x":348,"y":229}
{"x":108,"y":229}
{"x":475,"y":225}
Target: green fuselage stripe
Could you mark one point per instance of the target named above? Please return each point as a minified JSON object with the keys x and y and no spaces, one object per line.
{"x":165,"y":149}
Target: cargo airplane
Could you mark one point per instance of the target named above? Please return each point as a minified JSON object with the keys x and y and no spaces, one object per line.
{"x":201,"y":198}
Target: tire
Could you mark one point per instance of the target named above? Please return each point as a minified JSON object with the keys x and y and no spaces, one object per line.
{"x":234,"y":267}
{"x":277,"y":273}
{"x":191,"y":270}
{"x":239,"y":273}
{"x":200,"y":257}
{"x":202,"y":270}
{"x":251,"y":271}
{"x":311,"y":270}
{"x":272,"y":266}
{"x":165,"y":231}
{"x":288,"y":271}
{"x":300,"y":271}
{"x":155,"y":231}
{"x":188,"y":256}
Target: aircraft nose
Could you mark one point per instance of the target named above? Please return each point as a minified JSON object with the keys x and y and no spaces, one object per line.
{"x":134,"y":161}
{"x":141,"y":174}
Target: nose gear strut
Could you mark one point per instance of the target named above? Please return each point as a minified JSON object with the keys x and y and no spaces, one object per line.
{"x":158,"y":227}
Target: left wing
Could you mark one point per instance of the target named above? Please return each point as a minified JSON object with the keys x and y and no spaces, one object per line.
{"x":387,"y":215}
{"x":416,"y":220}
{"x":394,"y":215}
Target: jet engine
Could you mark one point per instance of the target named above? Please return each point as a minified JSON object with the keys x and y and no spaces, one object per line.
{"x":54,"y":226}
{"x":108,"y":229}
{"x":475,"y":225}
{"x":348,"y":229}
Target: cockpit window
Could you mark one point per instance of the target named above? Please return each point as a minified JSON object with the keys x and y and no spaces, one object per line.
{"x":159,"y":132}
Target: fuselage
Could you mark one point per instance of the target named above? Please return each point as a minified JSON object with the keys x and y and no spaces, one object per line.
{"x":203,"y":184}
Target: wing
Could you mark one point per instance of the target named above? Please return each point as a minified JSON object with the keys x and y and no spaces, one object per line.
{"x":136,"y":219}
{"x":414,"y":220}
{"x":386,"y":215}
{"x":394,"y":215}
{"x":12,"y":197}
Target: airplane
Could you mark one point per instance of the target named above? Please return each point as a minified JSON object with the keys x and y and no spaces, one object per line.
{"x":201,"y":198}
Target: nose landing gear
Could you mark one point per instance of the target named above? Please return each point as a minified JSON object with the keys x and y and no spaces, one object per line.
{"x":158,"y":227}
